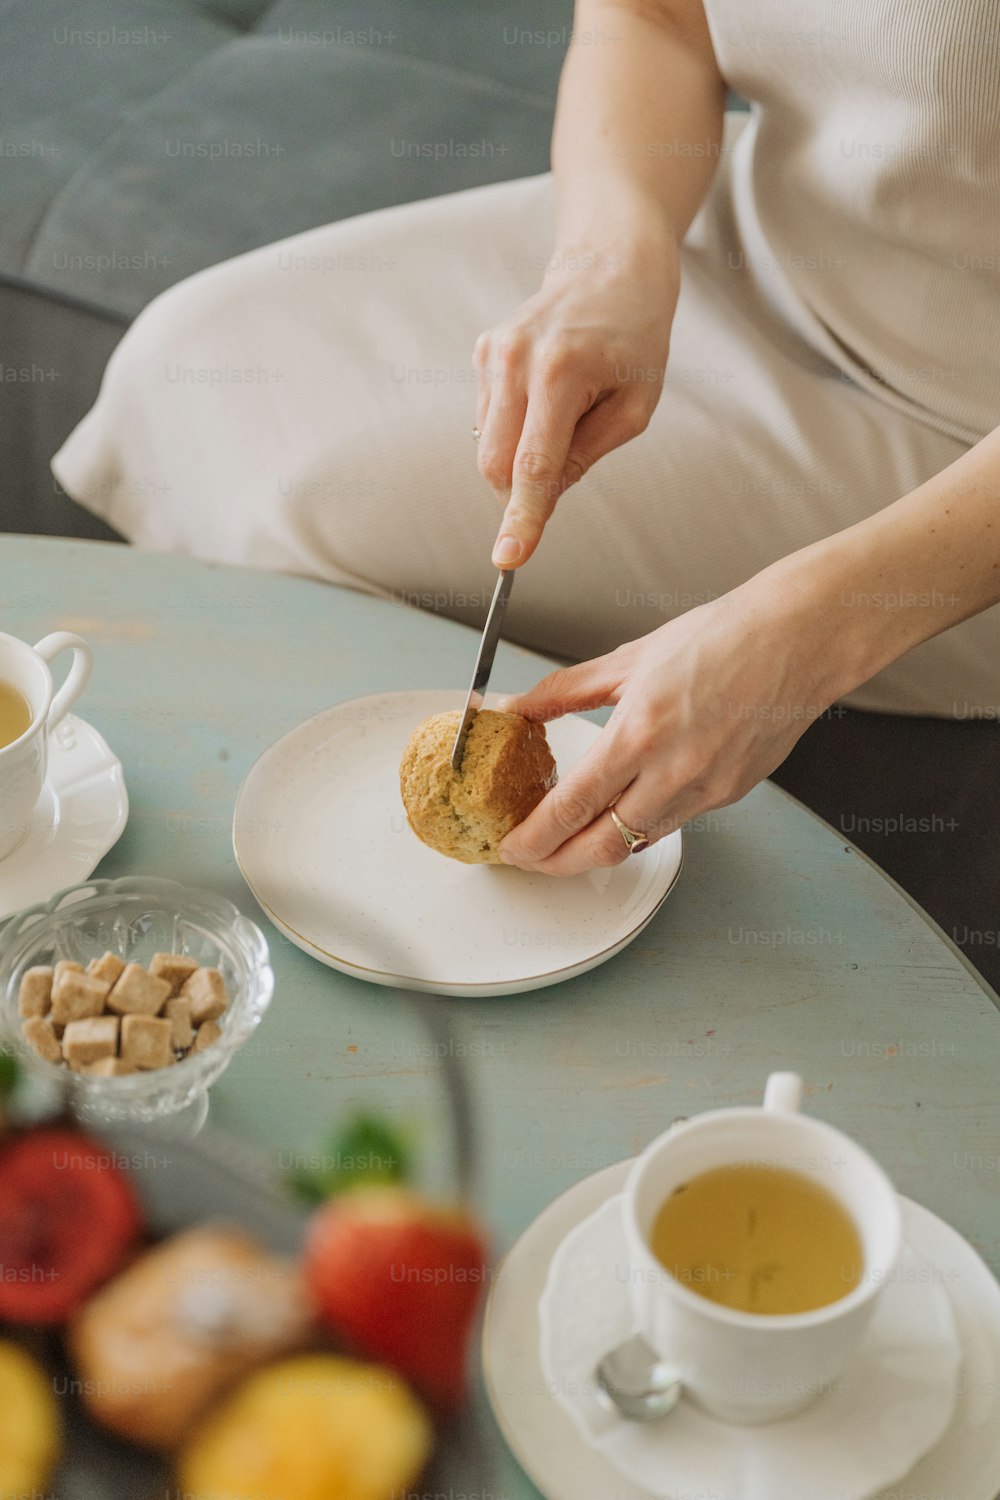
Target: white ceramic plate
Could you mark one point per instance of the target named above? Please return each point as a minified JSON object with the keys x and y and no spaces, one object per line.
{"x":322,"y":840}
{"x":81,"y":813}
{"x":964,"y":1465}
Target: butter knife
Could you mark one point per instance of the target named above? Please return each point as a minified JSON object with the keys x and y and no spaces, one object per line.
{"x":484,"y":664}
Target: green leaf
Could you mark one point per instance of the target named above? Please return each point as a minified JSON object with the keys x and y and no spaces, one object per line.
{"x":10,"y":1074}
{"x":365,"y":1152}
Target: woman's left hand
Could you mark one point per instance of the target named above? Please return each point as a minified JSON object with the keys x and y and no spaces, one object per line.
{"x":704,"y":708}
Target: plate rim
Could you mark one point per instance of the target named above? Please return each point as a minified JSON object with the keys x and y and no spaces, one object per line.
{"x":385,"y":977}
{"x":458,"y":987}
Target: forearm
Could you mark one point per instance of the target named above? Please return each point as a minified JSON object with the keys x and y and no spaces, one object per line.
{"x":871,"y":593}
{"x":638,"y":125}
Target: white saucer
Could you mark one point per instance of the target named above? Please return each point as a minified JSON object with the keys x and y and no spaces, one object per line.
{"x":321,"y":837}
{"x":896,"y":1399}
{"x":964,"y":1464}
{"x":81,"y":813}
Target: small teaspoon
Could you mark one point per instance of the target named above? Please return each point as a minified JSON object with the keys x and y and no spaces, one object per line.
{"x":635,"y":1382}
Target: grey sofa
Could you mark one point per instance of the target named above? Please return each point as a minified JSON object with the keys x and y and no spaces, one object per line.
{"x":143,"y":139}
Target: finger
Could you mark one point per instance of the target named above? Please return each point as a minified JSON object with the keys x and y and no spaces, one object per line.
{"x":554,"y":408}
{"x":573,"y":803}
{"x":503,"y":417}
{"x":600,"y":845}
{"x":602,"y":429}
{"x":572,"y":690}
{"x":481,"y":363}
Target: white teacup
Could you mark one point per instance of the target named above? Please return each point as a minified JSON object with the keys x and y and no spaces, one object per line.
{"x":741,"y":1366}
{"x":24,"y":762}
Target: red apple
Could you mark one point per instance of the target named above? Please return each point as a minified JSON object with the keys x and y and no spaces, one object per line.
{"x":399,"y":1279}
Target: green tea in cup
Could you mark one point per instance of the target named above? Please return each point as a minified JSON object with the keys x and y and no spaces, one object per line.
{"x":15,"y":714}
{"x":760,"y":1239}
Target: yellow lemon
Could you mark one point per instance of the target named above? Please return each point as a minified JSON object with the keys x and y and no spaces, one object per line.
{"x":309,"y":1428}
{"x":30,"y":1434}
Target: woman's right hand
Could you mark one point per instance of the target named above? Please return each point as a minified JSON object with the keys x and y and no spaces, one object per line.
{"x":575,"y":372}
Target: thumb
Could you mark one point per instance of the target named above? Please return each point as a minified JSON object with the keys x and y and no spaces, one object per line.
{"x":569,"y":690}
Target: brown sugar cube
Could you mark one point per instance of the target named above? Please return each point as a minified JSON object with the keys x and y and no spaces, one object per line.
{"x":138,"y":993}
{"x":88,"y":1041}
{"x":64,"y":966}
{"x":146,"y":1042}
{"x":178,"y":1013}
{"x":76,"y":996}
{"x":175,"y":967}
{"x":107,"y":1067}
{"x":206,"y":989}
{"x":35,"y":995}
{"x":207,"y":1033}
{"x":38,"y":1033}
{"x":108,"y":967}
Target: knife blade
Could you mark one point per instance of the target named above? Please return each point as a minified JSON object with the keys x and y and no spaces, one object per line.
{"x":484,"y":664}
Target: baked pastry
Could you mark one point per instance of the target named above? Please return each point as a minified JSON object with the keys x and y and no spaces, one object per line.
{"x":506,"y":770}
{"x":157,"y":1345}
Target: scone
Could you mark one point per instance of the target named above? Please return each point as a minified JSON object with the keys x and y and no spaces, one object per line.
{"x":157,"y":1345}
{"x":506,"y":770}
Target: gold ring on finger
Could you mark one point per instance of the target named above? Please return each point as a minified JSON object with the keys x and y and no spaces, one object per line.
{"x":634,"y":842}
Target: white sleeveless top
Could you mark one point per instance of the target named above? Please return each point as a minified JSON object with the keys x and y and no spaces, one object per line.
{"x":866,"y":190}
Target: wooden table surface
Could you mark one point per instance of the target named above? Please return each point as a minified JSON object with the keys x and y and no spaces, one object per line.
{"x":781,"y":947}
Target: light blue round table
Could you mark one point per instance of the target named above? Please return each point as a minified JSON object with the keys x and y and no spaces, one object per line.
{"x":781,"y":948}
